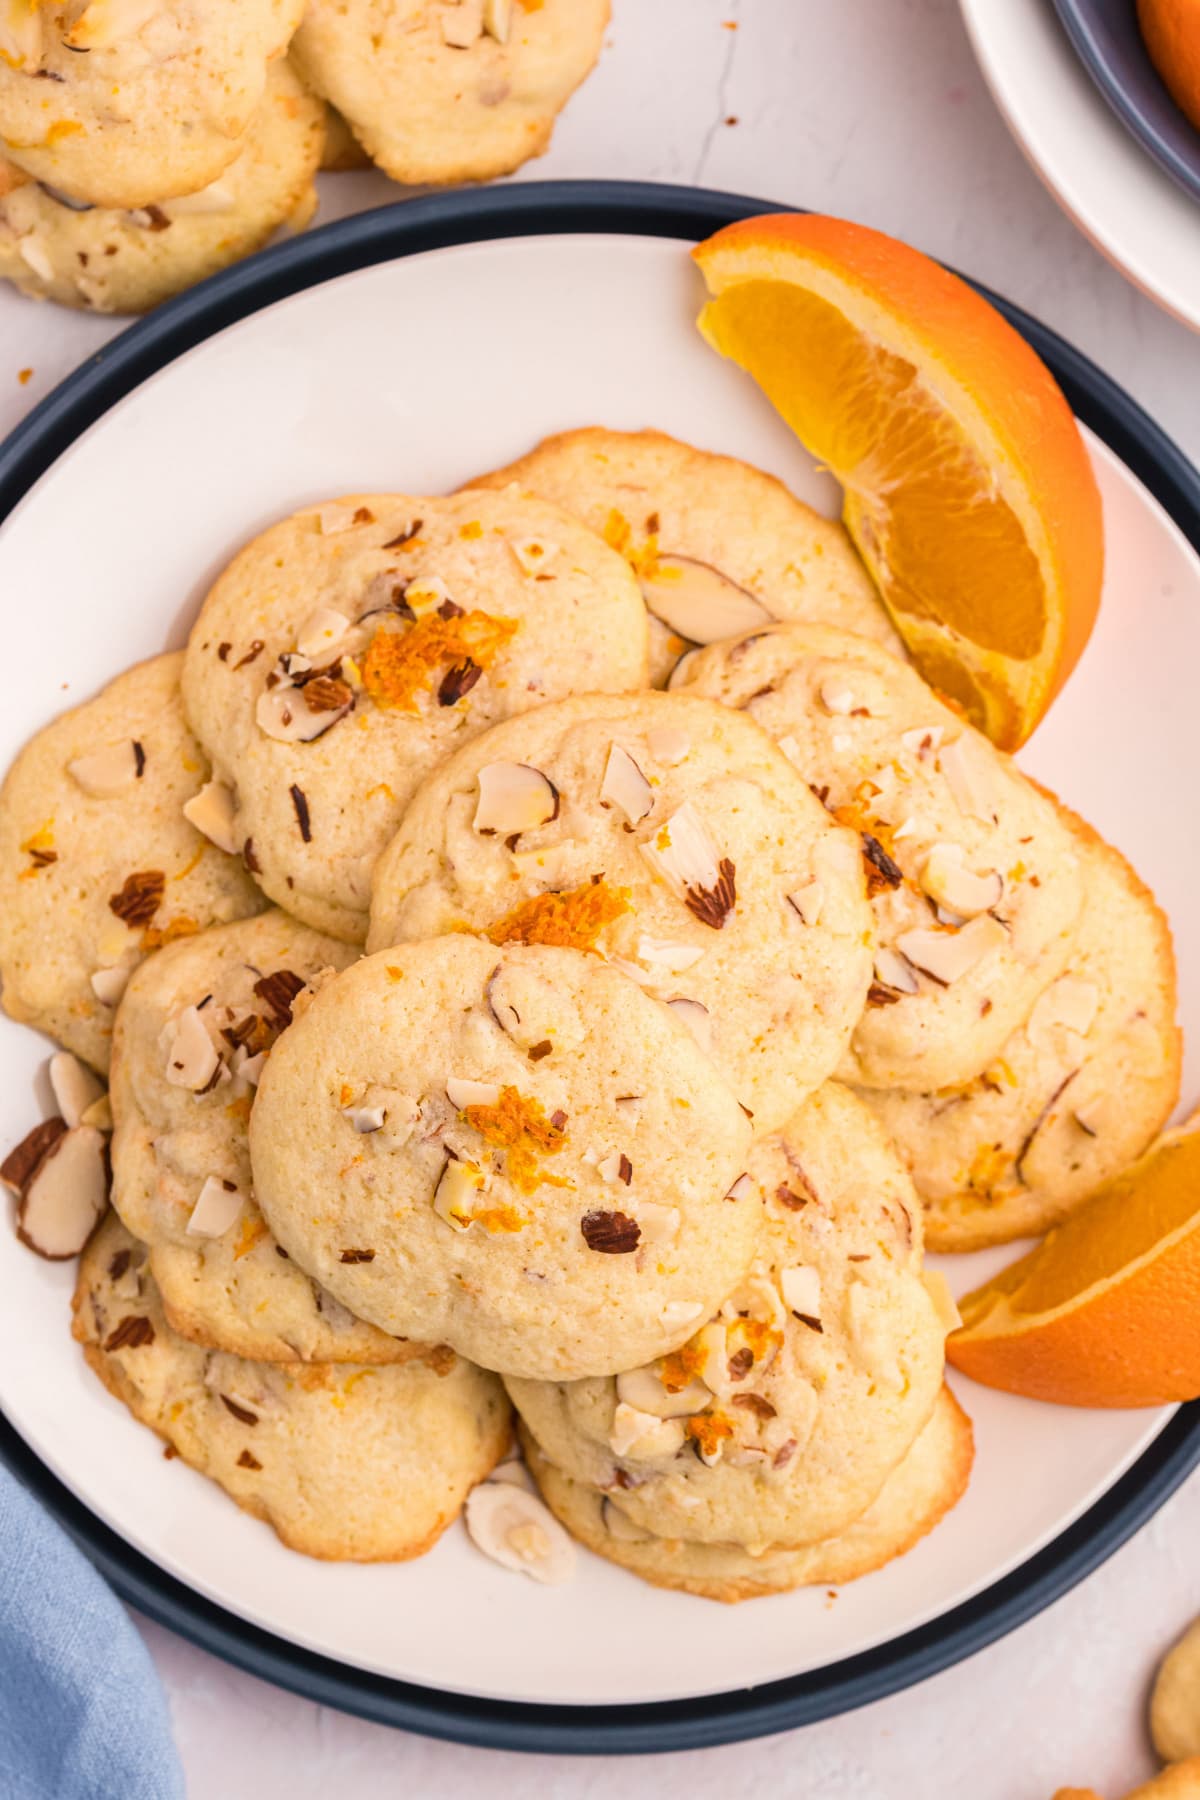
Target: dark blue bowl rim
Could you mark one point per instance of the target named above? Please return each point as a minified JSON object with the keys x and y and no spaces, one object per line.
{"x":1181,"y":164}
{"x":404,"y":229}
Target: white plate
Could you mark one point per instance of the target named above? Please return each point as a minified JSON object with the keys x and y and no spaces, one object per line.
{"x":1117,"y":195}
{"x":413,"y":375}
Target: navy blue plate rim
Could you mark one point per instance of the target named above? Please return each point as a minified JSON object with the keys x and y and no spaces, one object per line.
{"x":405,"y":229}
{"x":1179,"y":159}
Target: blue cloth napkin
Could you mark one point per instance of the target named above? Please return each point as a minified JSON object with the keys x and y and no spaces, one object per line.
{"x":82,"y":1712}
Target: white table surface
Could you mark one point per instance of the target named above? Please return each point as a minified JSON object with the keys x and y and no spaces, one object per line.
{"x":873,"y":109}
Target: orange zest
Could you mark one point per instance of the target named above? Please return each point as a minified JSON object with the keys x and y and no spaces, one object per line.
{"x":572,"y":919}
{"x":968,"y":489}
{"x":1103,"y":1312}
{"x":517,"y":1124}
{"x":253,"y":1232}
{"x":708,"y":1430}
{"x":681,"y":1366}
{"x":399,"y":665}
{"x":155,"y":936}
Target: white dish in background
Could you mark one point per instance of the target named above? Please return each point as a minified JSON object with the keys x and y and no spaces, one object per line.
{"x":1139,"y":218}
{"x":413,"y":375}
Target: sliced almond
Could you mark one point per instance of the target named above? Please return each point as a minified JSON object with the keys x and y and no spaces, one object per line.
{"x":836,"y":695}
{"x":945,"y":879}
{"x":711,"y":1348}
{"x":425,"y":593}
{"x":923,"y":742}
{"x":462,"y":25}
{"x":513,"y":797}
{"x":106,"y":773}
{"x":969,"y":778}
{"x":697,"y":1020}
{"x":808,"y":901}
{"x":217,"y":197}
{"x":895,"y":971}
{"x":801,"y":1290}
{"x":74,"y":1087}
{"x":668,"y":745}
{"x":65,"y":1195}
{"x":944,"y":1303}
{"x":620,"y":1526}
{"x":698,"y":602}
{"x":282,"y":713}
{"x":757,"y":1297}
{"x":212,"y":813}
{"x":615,"y":1168}
{"x":218,"y":1207}
{"x":191,"y":1059}
{"x":742,"y":1189}
{"x":683,"y":853}
{"x":791,"y":750}
{"x":321,"y":633}
{"x":103,"y":23}
{"x":659,"y":1224}
{"x":365,"y":1119}
{"x":336,"y":516}
{"x":661,"y":953}
{"x":32,"y":251}
{"x":533,"y":554}
{"x":514,"y":1472}
{"x":1068,"y":1002}
{"x":21,"y":33}
{"x":460,"y":1186}
{"x":109,"y":984}
{"x":676,"y":1314}
{"x":461,"y":1093}
{"x":642,"y":1435}
{"x":949,"y":955}
{"x":625,"y":786}
{"x":643,"y":1391}
{"x":517,"y":1530}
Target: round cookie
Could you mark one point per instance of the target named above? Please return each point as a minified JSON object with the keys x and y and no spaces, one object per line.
{"x":916,"y":1496}
{"x":121,"y":103}
{"x":975,"y":881}
{"x":181,"y":1178}
{"x":347,"y":650}
{"x":349,"y":1464}
{"x":99,"y":866}
{"x":680,"y":844}
{"x":667,"y":506}
{"x":1077,"y":1092}
{"x":463,"y":91}
{"x":778,"y":1423}
{"x":121,"y":262}
{"x":342,"y":151}
{"x":512,"y":1150}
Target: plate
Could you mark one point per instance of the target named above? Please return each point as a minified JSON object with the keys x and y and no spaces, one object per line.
{"x":1106,"y":37}
{"x":412,"y":347}
{"x":1135,"y":214}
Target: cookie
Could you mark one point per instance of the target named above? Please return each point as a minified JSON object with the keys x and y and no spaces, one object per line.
{"x":121,"y":103}
{"x":349,"y":1464}
{"x":514,"y":1151}
{"x":109,"y":261}
{"x":347,"y":650}
{"x":193,"y":1031}
{"x":917,"y":1495}
{"x":98,"y":864}
{"x":1076,"y":1094}
{"x":342,"y":151}
{"x":463,"y":91}
{"x":780,"y":1420}
{"x":716,"y":544}
{"x":671,"y":836}
{"x":976,"y":883}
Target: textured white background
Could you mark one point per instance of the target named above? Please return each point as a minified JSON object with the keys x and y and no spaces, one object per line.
{"x":874,"y":109}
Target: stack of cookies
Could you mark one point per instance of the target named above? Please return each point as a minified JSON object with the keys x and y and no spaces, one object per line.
{"x":486,"y":1026}
{"x":145,"y":144}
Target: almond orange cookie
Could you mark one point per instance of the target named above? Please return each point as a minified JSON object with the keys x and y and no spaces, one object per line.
{"x":510,"y":1150}
{"x":671,"y":836}
{"x":347,"y":1464}
{"x":917,"y":1495}
{"x":194,"y":1032}
{"x":100,"y":862}
{"x":779,"y":1421}
{"x":348,"y":650}
{"x":718,"y":546}
{"x":121,"y":103}
{"x":976,"y":887}
{"x":1076,"y":1093}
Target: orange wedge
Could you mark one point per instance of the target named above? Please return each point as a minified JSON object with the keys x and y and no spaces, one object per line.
{"x":1171,"y":29}
{"x":968,"y":488}
{"x":1106,"y":1311}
